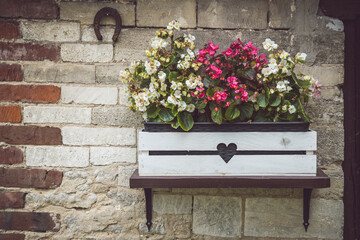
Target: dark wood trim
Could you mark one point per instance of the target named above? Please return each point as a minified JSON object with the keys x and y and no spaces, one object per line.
{"x":321,"y":180}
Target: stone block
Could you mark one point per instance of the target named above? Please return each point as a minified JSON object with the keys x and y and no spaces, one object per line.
{"x":76,"y":52}
{"x":51,"y":31}
{"x":328,"y":24}
{"x":123,"y":97}
{"x":319,"y":49}
{"x":89,"y":95}
{"x":116,"y":116}
{"x":328,"y":75}
{"x":326,"y":111}
{"x":280,"y":14}
{"x":107,"y":32}
{"x":132,"y":44}
{"x":172,"y":204}
{"x":217,"y":216}
{"x":44,"y":114}
{"x":98,"y":136}
{"x":282,"y":218}
{"x":86,"y":11}
{"x":29,"y":93}
{"x":125,"y":173}
{"x":248,"y":14}
{"x":109,"y":74}
{"x":66,"y":200}
{"x":158,"y":13}
{"x":28,"y":52}
{"x":59,"y":73}
{"x":109,"y":155}
{"x":305,"y":15}
{"x":57,"y":156}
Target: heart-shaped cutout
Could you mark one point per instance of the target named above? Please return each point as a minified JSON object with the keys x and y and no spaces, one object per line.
{"x":226,"y":152}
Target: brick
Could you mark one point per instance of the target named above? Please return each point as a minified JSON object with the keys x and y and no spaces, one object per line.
{"x":280,"y":14}
{"x":30,"y":178}
{"x":10,"y":114}
{"x":51,"y":31}
{"x":12,"y":236}
{"x":109,"y":155}
{"x":89,"y":95}
{"x":30,"y":135}
{"x":109,"y":74}
{"x":98,"y":136}
{"x":37,"y":9}
{"x":30,"y":221}
{"x":159,"y":13}
{"x":45,"y":114}
{"x":85,"y":12}
{"x":59,"y":73}
{"x":76,"y":52}
{"x":29,"y":93}
{"x":132,"y":44}
{"x":328,"y":75}
{"x":57,"y":156}
{"x":116,"y":116}
{"x":172,"y":204}
{"x":12,"y":200}
{"x":10,"y":72}
{"x":249,"y":14}
{"x":282,"y":218}
{"x":11,"y":155}
{"x":217,"y":216}
{"x":28,"y":52}
{"x":9,"y":30}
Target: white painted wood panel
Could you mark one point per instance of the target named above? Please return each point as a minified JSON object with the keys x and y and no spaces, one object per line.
{"x":239,"y":165}
{"x":208,"y":141}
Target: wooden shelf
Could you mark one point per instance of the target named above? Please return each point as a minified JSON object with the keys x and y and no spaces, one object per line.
{"x":307,"y":183}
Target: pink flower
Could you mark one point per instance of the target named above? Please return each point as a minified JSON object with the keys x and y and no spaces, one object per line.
{"x":228,"y":52}
{"x":216,"y":109}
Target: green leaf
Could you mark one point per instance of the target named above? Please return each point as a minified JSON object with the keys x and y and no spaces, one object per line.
{"x":248,"y":73}
{"x":274,"y":100}
{"x":153,"y":111}
{"x":261,"y":100}
{"x":301,"y":111}
{"x":261,"y":117}
{"x":302,"y":83}
{"x":166,"y":115}
{"x":216,"y":116}
{"x":204,"y":118}
{"x":210,"y":91}
{"x":173,"y":76}
{"x":185,"y":120}
{"x":172,"y":58}
{"x":232,"y":112}
{"x":174,"y":111}
{"x":175,"y":124}
{"x":200,"y":105}
{"x":145,"y":83}
{"x":246,"y":111}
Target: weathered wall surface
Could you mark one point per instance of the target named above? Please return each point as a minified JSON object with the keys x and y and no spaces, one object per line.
{"x":68,"y":142}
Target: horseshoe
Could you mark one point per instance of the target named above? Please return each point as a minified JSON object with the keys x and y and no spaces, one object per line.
{"x":107,"y":11}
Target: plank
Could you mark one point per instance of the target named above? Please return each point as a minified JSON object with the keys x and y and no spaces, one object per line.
{"x":207,"y":141}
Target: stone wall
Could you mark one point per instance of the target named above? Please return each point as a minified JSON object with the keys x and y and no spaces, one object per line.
{"x":68,"y":141}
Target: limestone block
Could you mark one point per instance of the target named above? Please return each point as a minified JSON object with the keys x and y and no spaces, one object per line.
{"x":280,"y":14}
{"x":98,"y":136}
{"x":109,"y":74}
{"x":125,"y":173}
{"x":51,"y":31}
{"x":126,"y":197}
{"x":123,"y":97}
{"x":89,"y":95}
{"x":116,"y":116}
{"x":328,"y":75}
{"x":76,"y":52}
{"x":305,"y":15}
{"x":109,"y":155}
{"x":158,"y":13}
{"x":279,"y":217}
{"x":44,"y":114}
{"x":86,"y":11}
{"x":107,"y":32}
{"x":326,"y":111}
{"x":35,"y":200}
{"x":54,"y":156}
{"x":59,"y":73}
{"x":217,"y":216}
{"x":172,"y":204}
{"x":249,"y":14}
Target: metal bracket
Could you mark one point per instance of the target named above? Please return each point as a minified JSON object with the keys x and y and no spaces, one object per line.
{"x":107,"y":11}
{"x":306,"y":207}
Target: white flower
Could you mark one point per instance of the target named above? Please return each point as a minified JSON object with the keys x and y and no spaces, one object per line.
{"x":161,"y":75}
{"x":173,"y":86}
{"x":177,"y":94}
{"x":292,"y":109}
{"x":142,"y":108}
{"x":163,"y":87}
{"x":133,"y":65}
{"x":301,"y":56}
{"x":124,"y":75}
{"x":190,"y":107}
{"x":269,"y":45}
{"x":284,"y":70}
{"x":288,"y":88}
{"x":181,"y":106}
{"x":170,"y":25}
{"x":284,"y":55}
{"x":191,"y":37}
{"x":272,"y":61}
{"x":281,"y":87}
{"x":273,"y":68}
{"x":157,"y":63}
{"x":284,"y":107}
{"x":177,"y":25}
{"x":266,"y":71}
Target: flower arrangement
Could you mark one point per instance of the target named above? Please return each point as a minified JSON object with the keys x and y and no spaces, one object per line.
{"x":178,"y":87}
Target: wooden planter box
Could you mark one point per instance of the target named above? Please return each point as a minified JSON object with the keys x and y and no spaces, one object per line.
{"x":231,"y":152}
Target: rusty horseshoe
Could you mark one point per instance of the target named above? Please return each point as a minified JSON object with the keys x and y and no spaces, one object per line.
{"x":107,"y":11}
